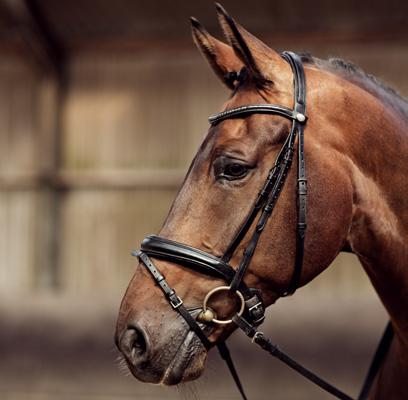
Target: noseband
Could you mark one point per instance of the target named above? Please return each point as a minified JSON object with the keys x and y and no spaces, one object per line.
{"x":251,"y":311}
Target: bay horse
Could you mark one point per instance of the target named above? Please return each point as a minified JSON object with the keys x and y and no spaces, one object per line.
{"x":356,"y":147}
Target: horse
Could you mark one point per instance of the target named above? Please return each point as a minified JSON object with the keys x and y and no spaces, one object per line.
{"x":356,"y":148}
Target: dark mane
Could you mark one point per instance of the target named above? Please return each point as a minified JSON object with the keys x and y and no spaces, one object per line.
{"x":369,"y":82}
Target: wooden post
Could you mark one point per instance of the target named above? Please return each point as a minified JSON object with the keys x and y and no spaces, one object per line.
{"x":41,"y":45}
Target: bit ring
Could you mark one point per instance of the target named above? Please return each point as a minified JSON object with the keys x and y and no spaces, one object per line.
{"x":224,"y":289}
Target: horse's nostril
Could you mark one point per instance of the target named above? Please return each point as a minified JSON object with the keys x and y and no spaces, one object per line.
{"x":133,"y":345}
{"x":138,"y":344}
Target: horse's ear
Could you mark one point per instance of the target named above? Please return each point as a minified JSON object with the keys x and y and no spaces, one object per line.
{"x":219,"y":55}
{"x":264,"y":64}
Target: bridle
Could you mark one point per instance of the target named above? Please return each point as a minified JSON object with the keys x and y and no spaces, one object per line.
{"x":251,"y":310}
{"x":264,"y":204}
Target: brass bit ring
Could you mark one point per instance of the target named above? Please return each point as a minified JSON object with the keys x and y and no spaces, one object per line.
{"x":223,"y":289}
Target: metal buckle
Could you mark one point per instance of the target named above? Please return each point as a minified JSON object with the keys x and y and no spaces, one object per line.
{"x":175,"y":301}
{"x":255,"y":306}
{"x":222,"y":289}
{"x":257,"y":333}
{"x":257,"y":320}
{"x":135,"y":253}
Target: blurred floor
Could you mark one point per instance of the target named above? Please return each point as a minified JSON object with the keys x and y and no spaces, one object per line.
{"x":60,"y":348}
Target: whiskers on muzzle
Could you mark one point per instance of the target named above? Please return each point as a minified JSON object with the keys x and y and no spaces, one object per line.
{"x":188,"y":391}
{"x":122,"y":365}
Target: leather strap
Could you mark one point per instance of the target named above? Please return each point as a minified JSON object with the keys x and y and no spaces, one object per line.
{"x":274,"y":184}
{"x":244,"y":111}
{"x":226,"y":356}
{"x":259,"y":203}
{"x":188,"y":256}
{"x":266,"y":344}
{"x":273,"y":196}
{"x":377,"y":361}
{"x":300,"y":106}
{"x":173,"y":299}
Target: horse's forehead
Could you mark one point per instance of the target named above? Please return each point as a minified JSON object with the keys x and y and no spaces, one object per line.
{"x":231,"y":130}
{"x":247,"y":94}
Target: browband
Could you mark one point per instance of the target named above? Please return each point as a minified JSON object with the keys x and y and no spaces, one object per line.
{"x":244,"y":111}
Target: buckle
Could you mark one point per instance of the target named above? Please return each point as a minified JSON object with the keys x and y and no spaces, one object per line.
{"x":256,"y":309}
{"x":257,"y":313}
{"x":255,"y":337}
{"x":175,"y":301}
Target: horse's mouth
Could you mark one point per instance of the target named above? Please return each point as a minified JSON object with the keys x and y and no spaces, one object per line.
{"x":188,"y":362}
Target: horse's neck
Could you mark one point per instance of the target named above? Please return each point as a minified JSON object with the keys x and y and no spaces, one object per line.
{"x":379,"y":230}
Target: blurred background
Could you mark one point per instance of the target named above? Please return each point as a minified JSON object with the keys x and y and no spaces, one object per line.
{"x":102,"y":106}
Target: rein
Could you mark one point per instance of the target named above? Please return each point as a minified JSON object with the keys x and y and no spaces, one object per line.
{"x":251,"y":312}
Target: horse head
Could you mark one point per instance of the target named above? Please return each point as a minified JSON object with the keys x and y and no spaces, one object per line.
{"x":220,"y":190}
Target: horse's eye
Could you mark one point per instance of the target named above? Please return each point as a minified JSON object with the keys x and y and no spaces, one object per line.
{"x":235,"y":170}
{"x":226,"y":168}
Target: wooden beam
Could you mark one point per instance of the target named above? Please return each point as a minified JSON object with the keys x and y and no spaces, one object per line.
{"x":36,"y":34}
{"x":132,"y":44}
{"x":53,"y":46}
{"x":119,"y":180}
{"x":40,"y":43}
{"x":94,"y":180}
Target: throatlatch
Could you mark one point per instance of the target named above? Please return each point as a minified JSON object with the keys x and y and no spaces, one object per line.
{"x":251,"y":311}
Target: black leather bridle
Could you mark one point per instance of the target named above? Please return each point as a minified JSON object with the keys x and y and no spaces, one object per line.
{"x":252,"y":311}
